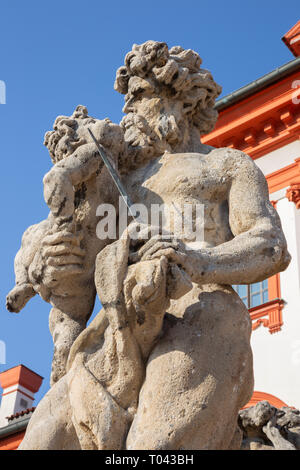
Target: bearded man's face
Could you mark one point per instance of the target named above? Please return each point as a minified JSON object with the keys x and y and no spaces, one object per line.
{"x":153,"y":121}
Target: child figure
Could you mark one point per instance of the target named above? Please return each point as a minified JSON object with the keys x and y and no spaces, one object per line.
{"x":73,"y":189}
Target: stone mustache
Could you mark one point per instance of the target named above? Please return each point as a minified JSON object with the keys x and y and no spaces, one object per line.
{"x":166,"y":363}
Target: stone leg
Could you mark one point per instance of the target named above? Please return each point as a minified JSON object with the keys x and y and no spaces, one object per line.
{"x":198,"y":376}
{"x":66,"y":322}
{"x":51,"y":427}
{"x":100,"y":423}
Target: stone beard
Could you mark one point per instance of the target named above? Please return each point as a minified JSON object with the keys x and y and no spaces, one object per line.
{"x":169,"y":101}
{"x":167,"y":363}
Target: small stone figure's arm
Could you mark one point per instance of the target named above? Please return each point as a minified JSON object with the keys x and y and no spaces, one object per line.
{"x":60,"y":181}
{"x":258,"y":249}
{"x":59,"y":185}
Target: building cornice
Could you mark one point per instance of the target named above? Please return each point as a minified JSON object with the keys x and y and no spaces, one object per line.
{"x":293,"y":193}
{"x":292,"y":39}
{"x":258,"y":84}
{"x":283,"y":177}
{"x":261,"y":123}
{"x":14,"y":427}
{"x":268,"y":315}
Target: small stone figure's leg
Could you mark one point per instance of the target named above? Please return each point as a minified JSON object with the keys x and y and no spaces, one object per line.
{"x":198,"y":377}
{"x":65,"y":325}
{"x":64,"y":331}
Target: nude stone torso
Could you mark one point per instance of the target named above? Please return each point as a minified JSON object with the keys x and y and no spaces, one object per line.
{"x":203,"y":314}
{"x":187,"y":178}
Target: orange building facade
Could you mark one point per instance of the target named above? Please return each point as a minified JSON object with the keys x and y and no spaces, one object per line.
{"x":263,"y":120}
{"x":19,"y":385}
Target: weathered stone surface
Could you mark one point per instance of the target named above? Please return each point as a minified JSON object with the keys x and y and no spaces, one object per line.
{"x":182,"y":404}
{"x":51,"y":424}
{"x":167,"y":363}
{"x":268,"y":428}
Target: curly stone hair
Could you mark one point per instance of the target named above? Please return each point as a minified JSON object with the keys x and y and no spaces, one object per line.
{"x":70,"y":132}
{"x":175,"y":71}
{"x":64,"y":132}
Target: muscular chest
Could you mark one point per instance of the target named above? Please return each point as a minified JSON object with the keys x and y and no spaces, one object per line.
{"x":185,"y":177}
{"x":191,"y":179}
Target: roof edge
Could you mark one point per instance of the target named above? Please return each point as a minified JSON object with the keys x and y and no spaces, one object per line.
{"x":14,"y":428}
{"x":257,"y":85}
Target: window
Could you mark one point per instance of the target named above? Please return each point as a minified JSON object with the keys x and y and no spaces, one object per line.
{"x":23,"y":403}
{"x":264,"y":302}
{"x":253,"y":295}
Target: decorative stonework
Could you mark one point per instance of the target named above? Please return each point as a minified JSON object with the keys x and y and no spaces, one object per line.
{"x":293,"y":194}
{"x":266,"y":427}
{"x":274,"y":204}
{"x":260,"y":123}
{"x":268,"y":315}
{"x":292,"y":39}
{"x":282,"y":178}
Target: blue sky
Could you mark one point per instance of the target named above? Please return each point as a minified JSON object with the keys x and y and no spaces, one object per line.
{"x":56,"y":55}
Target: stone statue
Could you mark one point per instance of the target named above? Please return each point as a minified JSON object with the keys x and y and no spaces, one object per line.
{"x":268,"y":428}
{"x":74,"y":188}
{"x":166,"y":363}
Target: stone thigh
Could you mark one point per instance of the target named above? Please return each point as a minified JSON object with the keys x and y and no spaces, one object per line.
{"x":198,"y":376}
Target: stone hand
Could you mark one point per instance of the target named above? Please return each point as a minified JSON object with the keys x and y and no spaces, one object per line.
{"x":60,"y":257}
{"x":159,"y":245}
{"x":173,"y":251}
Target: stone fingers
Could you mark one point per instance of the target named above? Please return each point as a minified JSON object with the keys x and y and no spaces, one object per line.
{"x":170,"y":253}
{"x":65,"y":270}
{"x":63,"y":249}
{"x":61,"y":237}
{"x":65,"y":260}
{"x":152,"y":245}
{"x":158,"y":246}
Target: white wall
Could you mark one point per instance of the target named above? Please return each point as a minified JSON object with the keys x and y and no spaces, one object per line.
{"x":13,"y":402}
{"x":279,"y":158}
{"x":277,"y":356}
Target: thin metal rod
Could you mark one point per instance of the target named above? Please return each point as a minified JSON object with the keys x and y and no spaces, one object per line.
{"x":113,"y":173}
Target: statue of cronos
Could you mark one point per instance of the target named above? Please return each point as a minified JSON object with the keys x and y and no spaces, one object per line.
{"x":167,"y":362}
